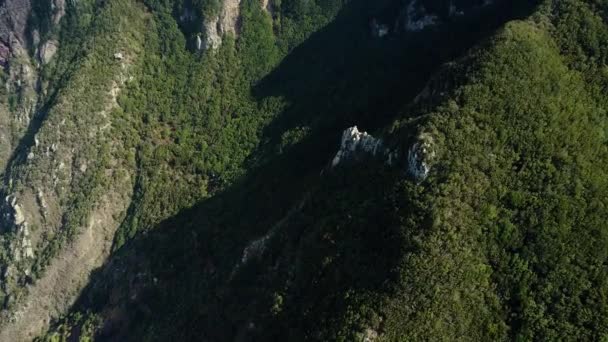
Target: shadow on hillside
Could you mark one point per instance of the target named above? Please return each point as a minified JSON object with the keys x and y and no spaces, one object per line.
{"x":342,"y":76}
{"x":179,"y":276}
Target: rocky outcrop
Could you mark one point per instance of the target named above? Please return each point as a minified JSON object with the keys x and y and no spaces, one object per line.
{"x":58,"y":9}
{"x":214,"y":29}
{"x":420,"y":157}
{"x":14,"y":16}
{"x":20,"y":72}
{"x":354,"y":142}
{"x":47,"y":51}
{"x":21,"y":246}
{"x":229,"y":17}
{"x":212,"y":38}
{"x":5,"y":54}
{"x":267,"y":6}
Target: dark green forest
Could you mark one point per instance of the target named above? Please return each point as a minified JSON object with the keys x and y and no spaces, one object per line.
{"x":240,"y":228}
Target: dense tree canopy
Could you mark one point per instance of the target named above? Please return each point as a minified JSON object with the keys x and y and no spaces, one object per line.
{"x":505,"y":240}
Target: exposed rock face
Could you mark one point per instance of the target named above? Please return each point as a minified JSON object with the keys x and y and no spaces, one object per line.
{"x":354,"y":142}
{"x":58,"y":8}
{"x":47,"y":51}
{"x":21,"y":246}
{"x":230,"y":16}
{"x":420,"y":157}
{"x":5,"y":54}
{"x":21,"y":74}
{"x":213,"y":38}
{"x":14,"y":15}
{"x":66,"y":150}
{"x":215,"y":29}
{"x":267,"y":6}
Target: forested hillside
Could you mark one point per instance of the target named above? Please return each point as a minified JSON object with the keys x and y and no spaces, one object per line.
{"x":199,"y":170}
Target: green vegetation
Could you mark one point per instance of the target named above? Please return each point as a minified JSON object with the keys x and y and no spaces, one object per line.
{"x":191,"y":118}
{"x":506,"y":240}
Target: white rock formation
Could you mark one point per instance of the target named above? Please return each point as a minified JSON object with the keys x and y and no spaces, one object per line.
{"x":354,"y":141}
{"x":230,"y":16}
{"x":21,"y":247}
{"x":18,"y":216}
{"x":420,"y":156}
{"x":215,"y":29}
{"x":213,"y":38}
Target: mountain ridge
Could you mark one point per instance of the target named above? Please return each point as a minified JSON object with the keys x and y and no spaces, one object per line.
{"x":200,"y":163}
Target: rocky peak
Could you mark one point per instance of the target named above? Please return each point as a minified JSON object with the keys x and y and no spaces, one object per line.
{"x":354,"y":142}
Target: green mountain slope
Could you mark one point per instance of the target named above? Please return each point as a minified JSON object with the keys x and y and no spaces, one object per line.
{"x":209,"y":193}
